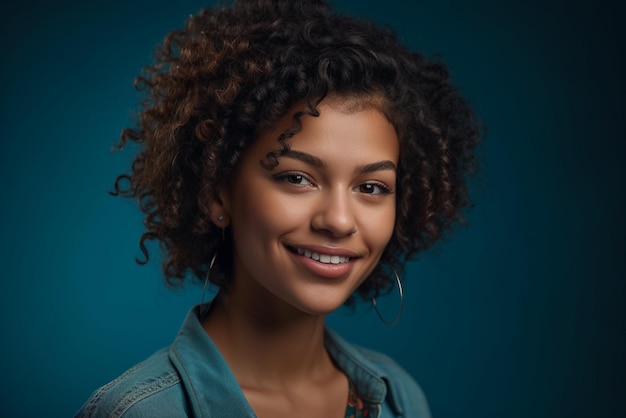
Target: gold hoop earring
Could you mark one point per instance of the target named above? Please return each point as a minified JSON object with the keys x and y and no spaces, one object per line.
{"x":203,"y":307}
{"x":401,"y":291}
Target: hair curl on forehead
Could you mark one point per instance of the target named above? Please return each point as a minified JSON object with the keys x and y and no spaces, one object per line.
{"x":235,"y":71}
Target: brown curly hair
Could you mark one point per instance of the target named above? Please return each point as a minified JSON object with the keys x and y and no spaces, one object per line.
{"x":235,"y":71}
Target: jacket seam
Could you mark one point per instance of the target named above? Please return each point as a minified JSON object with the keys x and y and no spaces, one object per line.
{"x":95,"y":399}
{"x":182,"y":369}
{"x":143,"y":392}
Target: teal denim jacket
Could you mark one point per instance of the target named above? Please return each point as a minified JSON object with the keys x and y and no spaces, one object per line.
{"x":192,"y":379}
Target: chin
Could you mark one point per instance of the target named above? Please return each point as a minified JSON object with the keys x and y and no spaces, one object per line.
{"x":321,"y":307}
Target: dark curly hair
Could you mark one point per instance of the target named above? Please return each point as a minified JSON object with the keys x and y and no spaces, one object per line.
{"x":235,"y":71}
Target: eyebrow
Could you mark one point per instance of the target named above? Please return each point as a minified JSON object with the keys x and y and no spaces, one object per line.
{"x":379,"y":166}
{"x":304,"y":157}
{"x":316,"y":162}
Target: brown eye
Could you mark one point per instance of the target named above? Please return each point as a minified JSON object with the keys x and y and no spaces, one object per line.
{"x":374,"y":188}
{"x":297,"y":179}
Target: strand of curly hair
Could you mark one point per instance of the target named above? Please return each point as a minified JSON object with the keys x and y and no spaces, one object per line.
{"x":233,"y":72}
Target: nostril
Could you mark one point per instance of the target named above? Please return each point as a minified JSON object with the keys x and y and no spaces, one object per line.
{"x":335,"y":215}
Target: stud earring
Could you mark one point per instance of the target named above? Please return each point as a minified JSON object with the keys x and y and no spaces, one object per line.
{"x":220,"y":218}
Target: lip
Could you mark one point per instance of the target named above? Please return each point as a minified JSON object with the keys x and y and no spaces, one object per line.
{"x":327,"y":270}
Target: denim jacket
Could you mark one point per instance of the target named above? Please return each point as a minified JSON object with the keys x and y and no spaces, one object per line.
{"x":192,"y":379}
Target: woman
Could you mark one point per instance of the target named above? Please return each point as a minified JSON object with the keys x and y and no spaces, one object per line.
{"x":294,"y":158}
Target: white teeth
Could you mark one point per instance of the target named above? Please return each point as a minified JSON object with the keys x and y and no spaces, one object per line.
{"x":323,"y":258}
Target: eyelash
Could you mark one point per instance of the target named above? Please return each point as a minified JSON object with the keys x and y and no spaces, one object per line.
{"x":384,"y":189}
{"x":289,"y":175}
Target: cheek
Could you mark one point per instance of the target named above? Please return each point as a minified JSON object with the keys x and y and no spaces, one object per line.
{"x":261,"y":214}
{"x":380,"y":226}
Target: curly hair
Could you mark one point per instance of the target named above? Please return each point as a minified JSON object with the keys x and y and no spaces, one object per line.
{"x":233,"y":72}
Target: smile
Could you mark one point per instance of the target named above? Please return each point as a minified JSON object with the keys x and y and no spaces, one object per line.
{"x":323,"y":258}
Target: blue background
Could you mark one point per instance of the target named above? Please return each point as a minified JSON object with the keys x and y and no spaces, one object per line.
{"x":520,"y":314}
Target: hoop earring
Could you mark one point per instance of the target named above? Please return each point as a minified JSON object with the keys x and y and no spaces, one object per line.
{"x":203,"y":307}
{"x":397,"y":318}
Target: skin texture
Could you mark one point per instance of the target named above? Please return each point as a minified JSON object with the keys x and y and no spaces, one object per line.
{"x":233,"y":72}
{"x":333,"y":193}
{"x":231,"y":104}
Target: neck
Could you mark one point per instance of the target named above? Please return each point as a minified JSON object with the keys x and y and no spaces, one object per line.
{"x":265,"y":342}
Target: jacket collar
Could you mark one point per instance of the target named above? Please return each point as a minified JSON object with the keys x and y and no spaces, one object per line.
{"x":364,"y":369}
{"x":207,"y":378}
{"x":214,"y":391}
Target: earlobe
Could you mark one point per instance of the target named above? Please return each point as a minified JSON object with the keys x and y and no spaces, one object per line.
{"x":220,"y":210}
{"x":219,"y":217}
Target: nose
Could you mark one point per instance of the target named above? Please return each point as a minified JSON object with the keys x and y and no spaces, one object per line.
{"x":335,"y":214}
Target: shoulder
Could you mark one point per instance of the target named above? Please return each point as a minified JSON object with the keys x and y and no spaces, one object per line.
{"x":151,"y":388}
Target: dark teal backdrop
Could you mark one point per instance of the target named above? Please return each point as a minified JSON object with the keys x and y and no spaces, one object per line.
{"x":521,"y":314}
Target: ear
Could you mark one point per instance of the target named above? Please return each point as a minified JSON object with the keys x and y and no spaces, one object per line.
{"x":220,"y":209}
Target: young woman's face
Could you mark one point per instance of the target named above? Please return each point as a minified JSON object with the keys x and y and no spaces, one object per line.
{"x":307,"y":233}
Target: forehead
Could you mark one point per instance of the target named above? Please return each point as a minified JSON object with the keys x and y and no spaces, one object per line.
{"x":345,"y":127}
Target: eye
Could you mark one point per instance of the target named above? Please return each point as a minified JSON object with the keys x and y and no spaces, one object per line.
{"x":374,"y":188}
{"x":294,"y":178}
{"x":297,"y":179}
